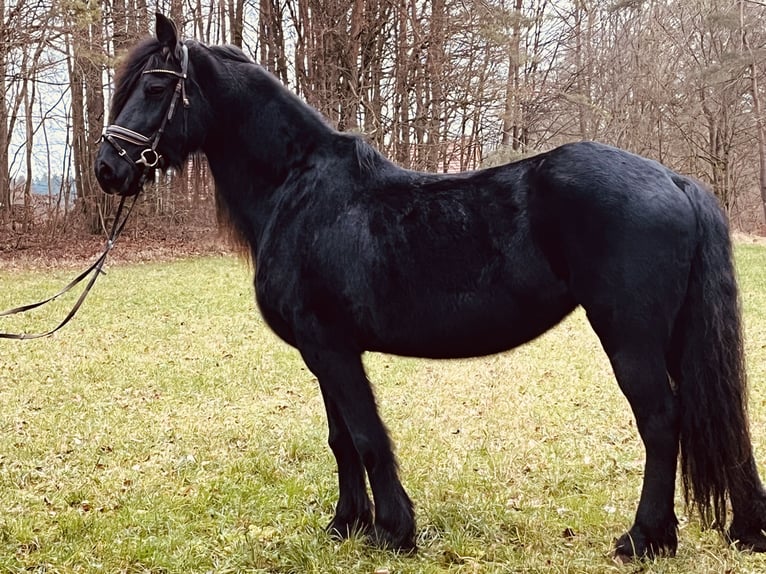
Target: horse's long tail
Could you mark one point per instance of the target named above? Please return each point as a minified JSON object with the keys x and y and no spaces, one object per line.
{"x":716,"y":453}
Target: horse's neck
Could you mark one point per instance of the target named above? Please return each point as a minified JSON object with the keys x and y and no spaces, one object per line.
{"x":259,"y":140}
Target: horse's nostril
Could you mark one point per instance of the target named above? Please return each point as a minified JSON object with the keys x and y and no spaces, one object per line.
{"x":103,"y":171}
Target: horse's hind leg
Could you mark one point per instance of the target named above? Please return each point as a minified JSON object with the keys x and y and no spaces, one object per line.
{"x":353,"y":512}
{"x":348,"y":393}
{"x":643,"y":379}
{"x":636,"y":351}
{"x":748,"y":502}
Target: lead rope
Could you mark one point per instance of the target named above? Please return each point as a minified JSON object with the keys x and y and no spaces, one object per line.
{"x":96,"y":269}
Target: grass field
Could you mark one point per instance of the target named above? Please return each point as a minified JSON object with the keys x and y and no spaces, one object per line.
{"x":167,"y":430}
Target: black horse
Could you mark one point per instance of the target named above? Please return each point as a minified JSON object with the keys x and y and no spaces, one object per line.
{"x":355,"y":254}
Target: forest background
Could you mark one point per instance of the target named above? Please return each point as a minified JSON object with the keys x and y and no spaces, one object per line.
{"x":438,"y":85}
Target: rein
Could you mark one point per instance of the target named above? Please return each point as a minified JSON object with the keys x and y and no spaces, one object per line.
{"x":96,"y":269}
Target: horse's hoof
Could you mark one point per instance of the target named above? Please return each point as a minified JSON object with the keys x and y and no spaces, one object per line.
{"x":345,"y":527}
{"x":402,"y":542}
{"x":635,"y":544}
{"x":753,"y":540}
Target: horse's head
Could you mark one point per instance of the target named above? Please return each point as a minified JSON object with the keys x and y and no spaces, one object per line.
{"x":149,"y":128}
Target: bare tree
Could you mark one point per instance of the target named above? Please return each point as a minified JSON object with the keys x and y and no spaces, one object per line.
{"x":87,"y":60}
{"x":236,"y":21}
{"x":5,"y":179}
{"x":755,"y":91}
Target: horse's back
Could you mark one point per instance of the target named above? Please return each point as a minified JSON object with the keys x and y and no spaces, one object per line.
{"x":604,"y":179}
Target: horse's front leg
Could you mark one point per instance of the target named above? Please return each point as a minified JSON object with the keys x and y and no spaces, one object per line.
{"x":345,"y":386}
{"x":353,"y":512}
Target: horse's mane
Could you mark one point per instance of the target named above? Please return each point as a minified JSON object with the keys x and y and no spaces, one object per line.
{"x":229,"y":52}
{"x":228,"y":231}
{"x":367,"y":157}
{"x":129,"y":72}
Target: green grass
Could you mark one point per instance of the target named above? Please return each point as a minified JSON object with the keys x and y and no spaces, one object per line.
{"x":167,"y":430}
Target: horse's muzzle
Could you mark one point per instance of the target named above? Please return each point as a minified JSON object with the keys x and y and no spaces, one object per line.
{"x":115,"y":175}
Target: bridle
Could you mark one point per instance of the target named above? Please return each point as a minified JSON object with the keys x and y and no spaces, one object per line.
{"x":149,"y":157}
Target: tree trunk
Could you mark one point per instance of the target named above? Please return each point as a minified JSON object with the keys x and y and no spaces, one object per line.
{"x":236,"y":21}
{"x":351,"y":64}
{"x":401,"y":112}
{"x":121,"y":29}
{"x":141,"y":20}
{"x":177,"y":15}
{"x":761,"y":134}
{"x":5,"y":178}
{"x":760,"y":121}
{"x":510,"y":117}
{"x":584,"y":65}
{"x":272,"y":43}
{"x":87,"y":61}
{"x":29,"y":99}
{"x":436,"y":124}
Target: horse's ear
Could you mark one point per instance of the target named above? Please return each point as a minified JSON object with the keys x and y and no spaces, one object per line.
{"x":166,"y":32}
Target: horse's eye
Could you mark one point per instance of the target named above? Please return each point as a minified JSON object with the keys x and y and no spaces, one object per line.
{"x":154,"y":89}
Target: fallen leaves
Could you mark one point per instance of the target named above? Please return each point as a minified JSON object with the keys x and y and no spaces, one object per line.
{"x":37,"y":250}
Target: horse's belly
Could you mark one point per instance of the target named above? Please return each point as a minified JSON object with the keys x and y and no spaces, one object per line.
{"x":446,"y":329}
